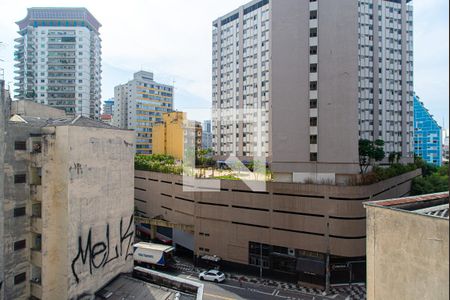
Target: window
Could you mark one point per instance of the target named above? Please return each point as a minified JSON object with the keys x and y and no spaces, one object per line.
{"x":313,"y":15}
{"x":313,"y":103}
{"x":313,"y":50}
{"x":20,"y":278}
{"x":313,"y":122}
{"x":313,"y":68}
{"x":313,"y":32}
{"x":19,"y":211}
{"x":19,"y":245}
{"x":20,"y":178}
{"x":313,"y":139}
{"x":20,"y":145}
{"x":313,"y":156}
{"x":313,"y":86}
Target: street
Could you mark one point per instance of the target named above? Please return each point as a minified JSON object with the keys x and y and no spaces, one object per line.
{"x":231,"y":290}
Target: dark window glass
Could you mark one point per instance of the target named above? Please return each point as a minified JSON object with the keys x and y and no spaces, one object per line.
{"x":313,"y":68}
{"x":20,"y":145}
{"x":313,"y":103}
{"x":20,"y":245}
{"x":313,"y":32}
{"x":313,"y":139}
{"x":313,"y":50}
{"x":313,"y":15}
{"x":313,"y":157}
{"x":313,"y":122}
{"x":20,"y":178}
{"x":19,"y":211}
{"x":313,"y":85}
{"x":20,"y":278}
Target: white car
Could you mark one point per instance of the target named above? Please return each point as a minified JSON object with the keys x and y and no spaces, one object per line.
{"x":212,"y":275}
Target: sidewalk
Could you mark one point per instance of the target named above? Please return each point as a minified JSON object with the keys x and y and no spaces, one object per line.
{"x":354,"y":292}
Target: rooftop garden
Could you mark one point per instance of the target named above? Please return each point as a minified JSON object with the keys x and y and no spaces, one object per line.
{"x":434,"y":179}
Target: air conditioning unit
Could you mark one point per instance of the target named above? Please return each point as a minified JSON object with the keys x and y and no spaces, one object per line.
{"x":291,"y":252}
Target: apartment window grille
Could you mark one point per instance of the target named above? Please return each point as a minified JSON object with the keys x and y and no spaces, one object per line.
{"x":22,"y":277}
{"x":19,"y":211}
{"x":19,"y":245}
{"x":20,"y":178}
{"x":20,"y":145}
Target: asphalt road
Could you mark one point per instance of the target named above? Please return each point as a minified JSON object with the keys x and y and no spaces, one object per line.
{"x":232,"y":290}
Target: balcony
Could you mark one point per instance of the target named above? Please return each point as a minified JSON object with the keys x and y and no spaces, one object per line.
{"x":36,"y":193}
{"x":36,"y":242}
{"x":36,"y":258}
{"x":35,"y":176}
{"x":36,"y":225}
{"x":36,"y":290}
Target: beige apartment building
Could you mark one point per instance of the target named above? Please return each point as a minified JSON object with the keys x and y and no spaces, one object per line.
{"x":323,"y":75}
{"x":139,"y":104}
{"x":407,"y":248}
{"x":67,"y":204}
{"x":288,"y":230}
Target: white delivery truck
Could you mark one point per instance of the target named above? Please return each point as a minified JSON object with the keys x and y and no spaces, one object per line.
{"x":153,"y":255}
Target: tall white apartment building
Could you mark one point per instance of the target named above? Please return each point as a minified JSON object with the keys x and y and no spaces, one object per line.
{"x":323,"y":75}
{"x":241,"y":59}
{"x":139,"y":104}
{"x":58,"y":58}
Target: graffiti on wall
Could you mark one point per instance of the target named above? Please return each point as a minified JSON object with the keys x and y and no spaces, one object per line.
{"x":98,"y":254}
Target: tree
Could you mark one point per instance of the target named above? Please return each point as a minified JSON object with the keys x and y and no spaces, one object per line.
{"x":370,"y":152}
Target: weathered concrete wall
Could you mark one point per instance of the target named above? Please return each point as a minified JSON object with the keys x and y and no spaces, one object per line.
{"x":16,"y":195}
{"x":3,"y":116}
{"x":407,"y":255}
{"x":87,"y":209}
{"x":33,"y":109}
{"x":288,"y":215}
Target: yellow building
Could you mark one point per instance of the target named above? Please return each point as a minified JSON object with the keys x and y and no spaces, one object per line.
{"x":169,"y":135}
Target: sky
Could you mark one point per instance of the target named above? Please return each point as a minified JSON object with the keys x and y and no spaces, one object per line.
{"x":173,"y":39}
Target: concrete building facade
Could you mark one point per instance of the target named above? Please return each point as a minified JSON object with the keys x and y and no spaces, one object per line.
{"x":407,"y":248}
{"x":5,"y":106}
{"x":427,"y":134}
{"x":289,"y":229}
{"x":315,"y":104}
{"x":139,"y":104}
{"x":170,"y":137}
{"x":58,"y":58}
{"x":207,"y":135}
{"x":60,"y":172}
{"x":108,"y":107}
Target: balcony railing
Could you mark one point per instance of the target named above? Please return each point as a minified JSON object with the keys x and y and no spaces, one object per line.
{"x":36,"y":224}
{"x":36,"y":289}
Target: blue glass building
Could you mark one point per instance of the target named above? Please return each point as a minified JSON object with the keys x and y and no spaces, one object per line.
{"x":427,"y":134}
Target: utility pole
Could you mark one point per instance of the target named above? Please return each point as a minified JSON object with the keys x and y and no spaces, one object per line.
{"x":260,"y":260}
{"x":327,"y":275}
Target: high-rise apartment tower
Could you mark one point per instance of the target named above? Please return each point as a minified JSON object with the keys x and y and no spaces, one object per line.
{"x":139,"y":104}
{"x":58,"y":58}
{"x":323,"y":75}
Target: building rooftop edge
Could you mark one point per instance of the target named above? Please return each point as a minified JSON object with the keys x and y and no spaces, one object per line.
{"x":421,"y":205}
{"x":87,"y":17}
